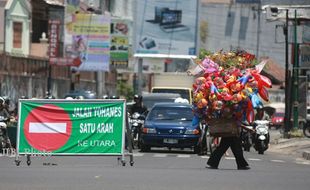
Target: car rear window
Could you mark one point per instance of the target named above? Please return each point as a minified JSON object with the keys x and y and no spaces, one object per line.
{"x":171,"y":113}
{"x":150,"y":102}
{"x":185,"y":93}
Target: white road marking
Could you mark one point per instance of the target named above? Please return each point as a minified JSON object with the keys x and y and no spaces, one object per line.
{"x":45,"y":127}
{"x":230,"y":158}
{"x":302,"y":161}
{"x":183,"y":156}
{"x":207,"y":157}
{"x":254,"y":159}
{"x":138,"y":154}
{"x":279,"y":161}
{"x":160,"y":155}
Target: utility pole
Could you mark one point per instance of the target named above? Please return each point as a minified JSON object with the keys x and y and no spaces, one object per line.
{"x":287,"y":117}
{"x":100,"y":75}
{"x":258,"y":28}
{"x":140,"y":64}
{"x":295,"y":75}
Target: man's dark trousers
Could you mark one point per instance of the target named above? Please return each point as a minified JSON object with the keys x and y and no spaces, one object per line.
{"x":235,"y":144}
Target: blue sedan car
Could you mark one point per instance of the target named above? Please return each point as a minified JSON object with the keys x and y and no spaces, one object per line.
{"x":169,"y":125}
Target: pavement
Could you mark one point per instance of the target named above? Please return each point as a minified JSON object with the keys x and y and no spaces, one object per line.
{"x":296,"y":146}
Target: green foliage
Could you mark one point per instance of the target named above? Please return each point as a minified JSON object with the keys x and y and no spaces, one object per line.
{"x":203,"y":53}
{"x":203,"y":31}
{"x":124,"y":90}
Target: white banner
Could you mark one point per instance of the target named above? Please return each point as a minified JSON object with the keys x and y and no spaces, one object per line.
{"x":166,"y":27}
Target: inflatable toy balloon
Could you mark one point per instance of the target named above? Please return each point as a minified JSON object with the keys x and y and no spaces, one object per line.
{"x":256,"y":102}
{"x":236,"y":98}
{"x":244,"y":79}
{"x":225,"y":94}
{"x":202,"y":103}
{"x":218,"y":82}
{"x":198,"y":96}
{"x":250,"y":115}
{"x":263,"y":93}
{"x":262,"y":80}
{"x":214,"y":90}
{"x":236,"y":87}
{"x":195,"y":120}
{"x":209,"y":65}
{"x":217,"y":105}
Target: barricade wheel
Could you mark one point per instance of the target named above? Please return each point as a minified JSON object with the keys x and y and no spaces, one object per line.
{"x":17,"y":162}
{"x":28,"y":160}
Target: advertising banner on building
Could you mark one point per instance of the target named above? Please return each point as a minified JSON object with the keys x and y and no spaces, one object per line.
{"x":87,"y":36}
{"x":120,"y":30}
{"x":167,"y":27}
{"x":305,"y":56}
{"x":60,"y":127}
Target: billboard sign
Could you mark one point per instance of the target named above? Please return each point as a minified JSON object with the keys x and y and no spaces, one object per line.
{"x":248,"y":1}
{"x":166,"y":27}
{"x":120,"y":31}
{"x":305,"y":56}
{"x":87,"y":36}
{"x":66,"y":127}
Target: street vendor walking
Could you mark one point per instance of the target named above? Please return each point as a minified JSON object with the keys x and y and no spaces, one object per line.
{"x":234,"y":142}
{"x":228,"y":88}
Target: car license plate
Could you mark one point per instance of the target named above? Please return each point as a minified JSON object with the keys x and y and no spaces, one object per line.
{"x":171,"y":141}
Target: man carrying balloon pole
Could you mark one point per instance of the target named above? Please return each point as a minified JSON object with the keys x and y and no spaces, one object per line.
{"x":228,"y":88}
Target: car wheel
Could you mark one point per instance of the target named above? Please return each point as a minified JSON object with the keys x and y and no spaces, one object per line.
{"x":306,"y":131}
{"x":301,"y":125}
{"x":144,"y":148}
{"x":196,"y":149}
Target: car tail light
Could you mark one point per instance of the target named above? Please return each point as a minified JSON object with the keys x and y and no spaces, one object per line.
{"x":192,"y":132}
{"x":149,"y":130}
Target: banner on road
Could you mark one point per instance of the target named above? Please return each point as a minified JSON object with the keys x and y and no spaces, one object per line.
{"x":66,"y":127}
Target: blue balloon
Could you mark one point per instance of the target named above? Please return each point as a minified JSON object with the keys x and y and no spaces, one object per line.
{"x":256,"y":102}
{"x":195,"y":121}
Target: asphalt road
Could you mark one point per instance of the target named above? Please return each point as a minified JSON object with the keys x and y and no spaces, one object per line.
{"x":159,"y":169}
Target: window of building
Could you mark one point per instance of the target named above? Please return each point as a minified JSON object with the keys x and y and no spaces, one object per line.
{"x":229,"y":23}
{"x":17,"y":34}
{"x":243,"y":27}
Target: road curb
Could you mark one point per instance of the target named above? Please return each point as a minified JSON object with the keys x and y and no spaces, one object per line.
{"x":306,"y":155}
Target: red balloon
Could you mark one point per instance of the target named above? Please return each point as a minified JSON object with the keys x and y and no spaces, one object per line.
{"x":250,"y":115}
{"x":262,"y":80}
{"x":265,"y":81}
{"x":263,"y":93}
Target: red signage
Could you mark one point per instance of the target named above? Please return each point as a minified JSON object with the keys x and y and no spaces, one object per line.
{"x":45,"y":131}
{"x":65,"y":61}
{"x":53,"y":38}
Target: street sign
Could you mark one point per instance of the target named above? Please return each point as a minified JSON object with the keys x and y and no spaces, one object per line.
{"x":67,"y":127}
{"x":46,"y":131}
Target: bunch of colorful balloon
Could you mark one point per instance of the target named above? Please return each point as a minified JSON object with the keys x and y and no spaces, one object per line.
{"x":229,"y":83}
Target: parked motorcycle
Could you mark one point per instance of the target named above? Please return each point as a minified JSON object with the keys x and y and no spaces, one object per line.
{"x":4,"y":137}
{"x":246,"y":138}
{"x":136,"y":122}
{"x":261,"y":136}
